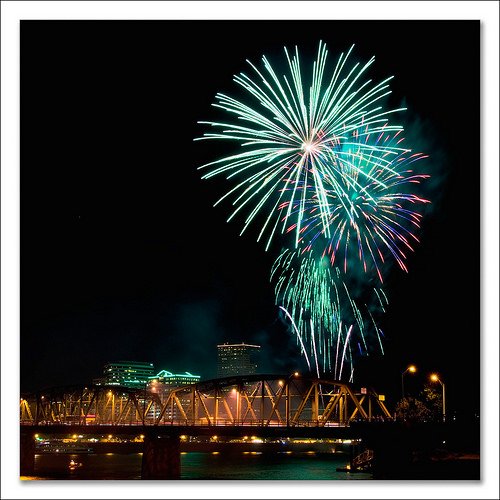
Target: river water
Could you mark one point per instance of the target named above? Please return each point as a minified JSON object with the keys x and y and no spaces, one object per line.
{"x":202,"y":466}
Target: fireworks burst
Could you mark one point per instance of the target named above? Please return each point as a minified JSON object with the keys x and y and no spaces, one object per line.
{"x":320,"y":163}
{"x":371,"y":211}
{"x":326,"y":318}
{"x":294,"y":142}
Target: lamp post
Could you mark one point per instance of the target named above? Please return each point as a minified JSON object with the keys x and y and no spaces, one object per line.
{"x":411,"y":369}
{"x":435,"y":378}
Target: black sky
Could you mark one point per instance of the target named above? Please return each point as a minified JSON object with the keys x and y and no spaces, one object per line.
{"x":122,"y":254}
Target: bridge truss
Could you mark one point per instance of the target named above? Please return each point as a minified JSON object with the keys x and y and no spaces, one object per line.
{"x":259,"y":400}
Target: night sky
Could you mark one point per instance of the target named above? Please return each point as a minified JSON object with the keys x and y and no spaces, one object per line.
{"x":123,"y":255}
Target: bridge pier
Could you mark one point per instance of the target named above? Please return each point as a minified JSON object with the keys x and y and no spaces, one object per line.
{"x":161,"y":458}
{"x":27,"y":452}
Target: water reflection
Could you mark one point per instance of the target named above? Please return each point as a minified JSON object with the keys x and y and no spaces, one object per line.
{"x":244,"y":465}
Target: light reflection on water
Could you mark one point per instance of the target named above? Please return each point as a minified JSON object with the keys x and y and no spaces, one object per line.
{"x":194,"y":465}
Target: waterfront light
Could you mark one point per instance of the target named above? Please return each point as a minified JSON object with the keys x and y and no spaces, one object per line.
{"x":411,"y":369}
{"x":435,"y":378}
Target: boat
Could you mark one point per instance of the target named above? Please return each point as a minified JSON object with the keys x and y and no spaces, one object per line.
{"x":74,"y":465}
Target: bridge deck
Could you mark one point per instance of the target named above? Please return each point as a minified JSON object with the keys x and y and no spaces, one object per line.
{"x":196,"y":430}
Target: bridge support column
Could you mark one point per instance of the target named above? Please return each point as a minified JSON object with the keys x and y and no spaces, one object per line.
{"x":27,"y":452}
{"x":161,"y":458}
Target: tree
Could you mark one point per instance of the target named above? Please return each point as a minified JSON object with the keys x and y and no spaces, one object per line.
{"x":426,"y":408}
{"x":433,"y":399}
{"x":412,"y":410}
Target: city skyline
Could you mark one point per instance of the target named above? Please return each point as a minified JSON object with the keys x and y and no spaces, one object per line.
{"x":137,"y":372}
{"x":122,"y":250}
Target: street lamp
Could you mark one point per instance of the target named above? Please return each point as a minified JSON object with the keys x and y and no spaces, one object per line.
{"x":411,"y":369}
{"x":435,"y":378}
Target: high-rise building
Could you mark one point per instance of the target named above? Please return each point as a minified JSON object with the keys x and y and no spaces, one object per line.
{"x":134,"y":374}
{"x":237,"y":359}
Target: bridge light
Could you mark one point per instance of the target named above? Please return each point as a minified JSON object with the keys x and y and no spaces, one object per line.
{"x":280,"y":382}
{"x":296,"y":374}
{"x":142,"y":436}
{"x":183,"y":437}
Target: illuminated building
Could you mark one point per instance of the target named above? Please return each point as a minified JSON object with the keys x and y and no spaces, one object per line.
{"x":165,"y":381}
{"x":134,"y":374}
{"x":236,"y":359}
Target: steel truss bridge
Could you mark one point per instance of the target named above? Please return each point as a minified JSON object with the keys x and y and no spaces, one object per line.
{"x":257,"y":400}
